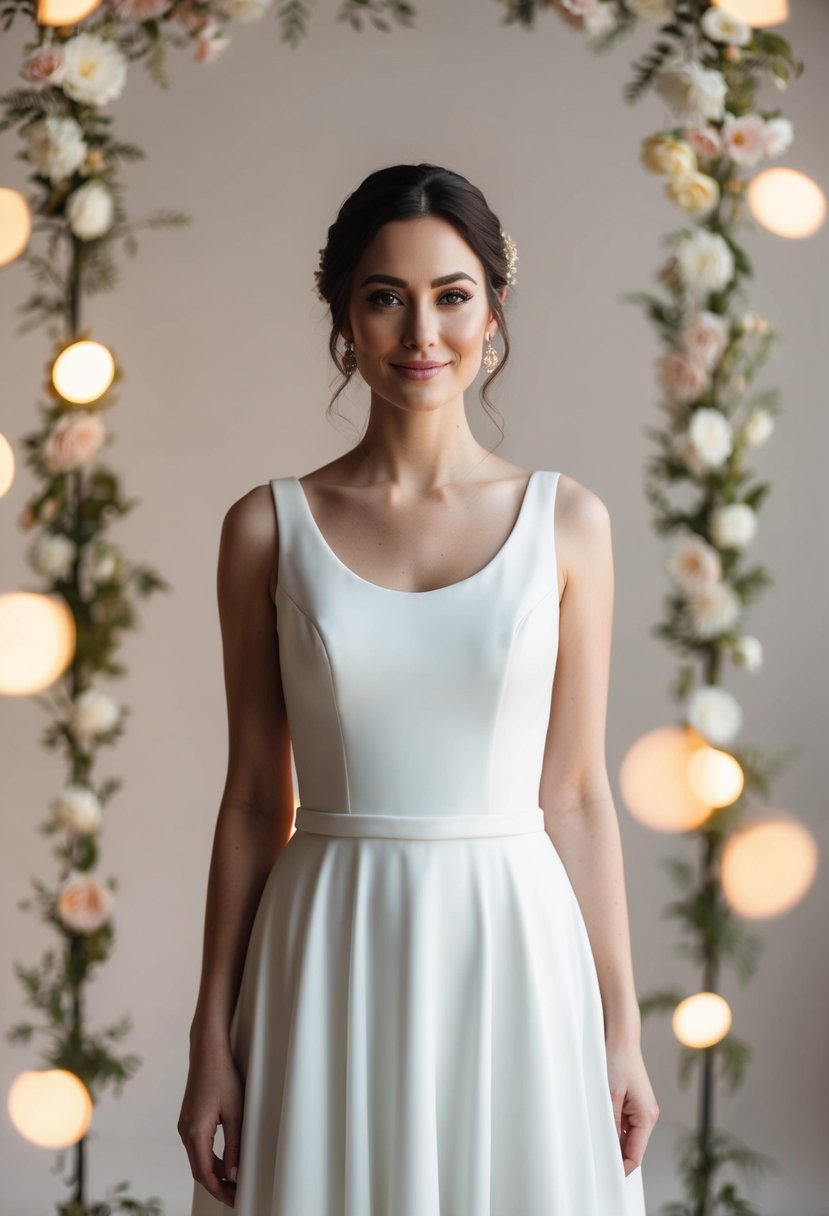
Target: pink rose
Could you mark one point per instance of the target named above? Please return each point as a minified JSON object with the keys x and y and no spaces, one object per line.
{"x":705,"y":337}
{"x":744,"y":139}
{"x":209,"y":47}
{"x":74,"y":440}
{"x":682,"y":377}
{"x":44,"y":67}
{"x":84,"y":904}
{"x":705,"y":141}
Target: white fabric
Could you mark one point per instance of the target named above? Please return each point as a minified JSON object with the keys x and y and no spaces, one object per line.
{"x":419,"y":1026}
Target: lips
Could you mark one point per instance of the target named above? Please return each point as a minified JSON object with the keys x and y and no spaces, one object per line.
{"x":419,"y":365}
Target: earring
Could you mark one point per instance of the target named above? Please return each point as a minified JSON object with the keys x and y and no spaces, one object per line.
{"x":491,"y":359}
{"x":349,"y":358}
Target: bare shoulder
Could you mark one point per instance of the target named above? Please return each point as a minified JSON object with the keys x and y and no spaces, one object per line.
{"x":249,"y":536}
{"x":583,"y":537}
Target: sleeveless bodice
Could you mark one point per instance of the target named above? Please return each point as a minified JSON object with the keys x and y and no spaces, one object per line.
{"x":418,"y":704}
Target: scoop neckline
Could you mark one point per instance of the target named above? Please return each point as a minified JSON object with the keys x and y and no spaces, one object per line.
{"x":447,"y":587}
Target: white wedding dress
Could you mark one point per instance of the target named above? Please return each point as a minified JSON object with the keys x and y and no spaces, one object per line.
{"x":419,"y":1027}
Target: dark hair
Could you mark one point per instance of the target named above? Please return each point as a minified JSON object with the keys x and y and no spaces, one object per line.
{"x":402,"y":192}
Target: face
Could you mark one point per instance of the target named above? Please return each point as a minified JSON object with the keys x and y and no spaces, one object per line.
{"x":399,"y":313}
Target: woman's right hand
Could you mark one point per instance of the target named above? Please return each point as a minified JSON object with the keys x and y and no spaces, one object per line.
{"x":213,"y":1095}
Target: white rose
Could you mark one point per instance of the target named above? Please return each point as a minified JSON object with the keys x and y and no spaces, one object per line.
{"x":757,"y":427}
{"x":95,"y":70}
{"x":712,"y":610}
{"x":715,"y":713}
{"x":778,"y":135}
{"x":705,"y":261}
{"x":721,"y":26}
{"x":77,"y":808}
{"x":52,"y":555}
{"x":56,"y":146}
{"x":600,"y":21}
{"x":93,"y":713}
{"x":693,"y":563}
{"x":695,"y":94}
{"x":89,"y":210}
{"x":733,"y":525}
{"x":696,"y":194}
{"x":747,"y":652}
{"x":710,"y":432}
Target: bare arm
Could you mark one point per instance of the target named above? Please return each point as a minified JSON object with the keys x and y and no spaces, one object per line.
{"x":575,"y":793}
{"x":257,"y":806}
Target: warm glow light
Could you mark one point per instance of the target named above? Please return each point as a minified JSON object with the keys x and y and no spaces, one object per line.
{"x":52,"y":1107}
{"x":768,"y":866}
{"x":37,"y":641}
{"x":756,"y":13}
{"x":715,"y":776}
{"x":787,"y":202}
{"x":654,"y":780}
{"x":15,"y":224}
{"x":64,"y":12}
{"x":702,"y":1019}
{"x":83,"y":371}
{"x":7,"y":465}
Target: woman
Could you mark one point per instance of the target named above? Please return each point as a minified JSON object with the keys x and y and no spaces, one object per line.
{"x":421,"y":1002}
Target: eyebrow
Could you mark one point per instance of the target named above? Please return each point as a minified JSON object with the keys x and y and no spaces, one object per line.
{"x":441,"y":282}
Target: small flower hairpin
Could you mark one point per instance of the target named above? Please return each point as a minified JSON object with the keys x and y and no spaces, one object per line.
{"x":511,"y":254}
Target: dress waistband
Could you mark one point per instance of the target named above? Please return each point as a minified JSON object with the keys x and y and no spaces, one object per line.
{"x":418,"y":827}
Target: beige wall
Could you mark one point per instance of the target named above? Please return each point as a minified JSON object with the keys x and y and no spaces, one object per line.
{"x":227,"y":374}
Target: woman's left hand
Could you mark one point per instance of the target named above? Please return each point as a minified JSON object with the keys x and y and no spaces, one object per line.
{"x":635,"y":1108}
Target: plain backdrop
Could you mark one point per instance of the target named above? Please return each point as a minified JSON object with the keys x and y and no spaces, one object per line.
{"x":227,"y":377}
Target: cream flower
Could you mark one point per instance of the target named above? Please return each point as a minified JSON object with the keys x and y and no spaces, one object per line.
{"x":712,"y":610}
{"x":705,"y":261}
{"x":656,"y":10}
{"x":103,"y":561}
{"x":753,"y":323}
{"x":93,"y":714}
{"x":140,"y":10}
{"x":733,"y":525}
{"x":696,"y":194}
{"x":710,"y":432}
{"x":705,"y":337}
{"x":600,"y":21}
{"x":52,"y":555}
{"x":210,"y":44}
{"x":242,"y":10}
{"x":84,"y":904}
{"x":744,"y":138}
{"x":89,"y":210}
{"x":667,"y":154}
{"x":747,"y":652}
{"x":779,"y":134}
{"x":95,"y":71}
{"x":720,"y":26}
{"x":682,"y":377}
{"x":78,"y":808}
{"x":73,"y":441}
{"x":757,"y":427}
{"x":56,"y":146}
{"x":692,"y":563}
{"x":715,"y":713}
{"x":695,"y":94}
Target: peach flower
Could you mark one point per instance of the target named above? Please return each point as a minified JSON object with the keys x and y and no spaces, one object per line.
{"x":74,"y":440}
{"x":84,"y":904}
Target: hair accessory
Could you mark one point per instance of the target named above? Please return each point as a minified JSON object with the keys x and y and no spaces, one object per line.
{"x":511,"y":254}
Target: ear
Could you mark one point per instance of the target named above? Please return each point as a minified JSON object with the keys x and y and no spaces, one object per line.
{"x":502,"y":295}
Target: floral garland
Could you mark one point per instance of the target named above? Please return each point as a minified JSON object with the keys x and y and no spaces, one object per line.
{"x":706,"y":65}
